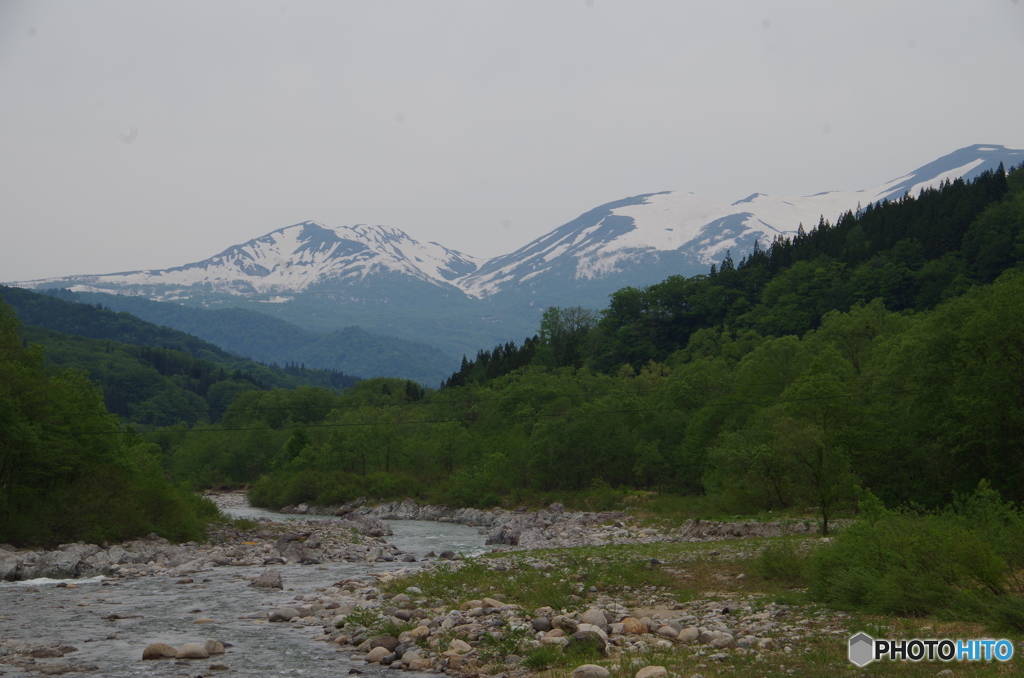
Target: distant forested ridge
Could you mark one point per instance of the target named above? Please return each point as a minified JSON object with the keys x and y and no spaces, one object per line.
{"x":882,"y":352}
{"x":150,"y":375}
{"x":269,"y":339}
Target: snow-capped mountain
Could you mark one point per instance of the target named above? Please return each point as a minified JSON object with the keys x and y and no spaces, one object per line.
{"x":647,"y":237}
{"x":289,"y":261}
{"x":324,"y":278}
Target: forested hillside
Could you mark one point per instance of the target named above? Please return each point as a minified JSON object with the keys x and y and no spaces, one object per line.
{"x":150,"y":375}
{"x":67,"y":470}
{"x":882,"y":352}
{"x":273,"y":340}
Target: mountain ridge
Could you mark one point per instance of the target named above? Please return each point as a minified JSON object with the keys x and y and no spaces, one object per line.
{"x":377,"y":277}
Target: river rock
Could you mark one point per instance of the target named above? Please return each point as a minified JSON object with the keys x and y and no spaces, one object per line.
{"x":269,"y":579}
{"x":689,"y":634}
{"x":159,"y":651}
{"x":722,"y":640}
{"x":375,"y":655}
{"x":388,"y":642}
{"x":415,"y":661}
{"x":214,"y":646}
{"x":458,"y":646}
{"x":9,"y":564}
{"x":283,"y":614}
{"x":192,"y":651}
{"x":633,"y":626}
{"x":590,"y":671}
{"x":541,"y":624}
{"x":593,"y":616}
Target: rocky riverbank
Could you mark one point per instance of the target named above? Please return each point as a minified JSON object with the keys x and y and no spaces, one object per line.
{"x":379,"y":617}
{"x":553,"y":527}
{"x":356,"y":535}
{"x":358,"y":538}
{"x":409,"y":630}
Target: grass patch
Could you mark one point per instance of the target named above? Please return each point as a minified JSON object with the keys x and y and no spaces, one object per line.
{"x":245,"y":524}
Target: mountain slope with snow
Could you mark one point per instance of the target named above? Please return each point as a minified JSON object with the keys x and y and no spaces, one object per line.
{"x":288,"y":261}
{"x":654,"y":235}
{"x":325,"y":278}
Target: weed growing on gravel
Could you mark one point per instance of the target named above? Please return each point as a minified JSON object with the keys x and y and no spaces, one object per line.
{"x":361,"y":616}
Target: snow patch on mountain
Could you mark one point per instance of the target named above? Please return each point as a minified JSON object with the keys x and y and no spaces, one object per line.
{"x":291,"y":259}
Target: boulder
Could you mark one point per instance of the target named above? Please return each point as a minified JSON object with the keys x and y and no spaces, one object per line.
{"x":458,"y":646}
{"x":375,"y":655}
{"x":593,"y":616}
{"x":283,"y":614}
{"x":633,"y":626}
{"x":541,"y":624}
{"x":388,"y":642}
{"x":689,"y":634}
{"x":159,"y":651}
{"x":192,"y":651}
{"x":652,"y":672}
{"x":269,"y":579}
{"x":9,"y":564}
{"x":590,"y":671}
{"x":722,"y":641}
{"x":416,"y":662}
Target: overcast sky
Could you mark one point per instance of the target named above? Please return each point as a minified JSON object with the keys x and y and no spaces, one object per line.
{"x":152,"y":134}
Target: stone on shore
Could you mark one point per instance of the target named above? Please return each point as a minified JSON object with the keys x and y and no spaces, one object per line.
{"x":633,"y":626}
{"x":689,"y":634}
{"x":159,"y":651}
{"x":283,"y":614}
{"x":192,"y":651}
{"x":270,"y":579}
{"x":590,"y":671}
{"x":375,"y":655}
{"x":593,"y":616}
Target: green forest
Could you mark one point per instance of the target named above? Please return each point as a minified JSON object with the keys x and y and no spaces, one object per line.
{"x":882,"y":354}
{"x":68,"y":469}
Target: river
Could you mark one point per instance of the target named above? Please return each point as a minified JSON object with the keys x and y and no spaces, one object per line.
{"x":159,"y":610}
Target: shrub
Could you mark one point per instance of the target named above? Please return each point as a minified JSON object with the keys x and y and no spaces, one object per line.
{"x":905,"y":563}
{"x":782,"y":562}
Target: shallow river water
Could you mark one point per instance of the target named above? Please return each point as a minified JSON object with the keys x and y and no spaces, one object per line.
{"x":161,"y":611}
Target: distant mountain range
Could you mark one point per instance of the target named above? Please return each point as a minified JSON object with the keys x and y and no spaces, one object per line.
{"x":324,"y":278}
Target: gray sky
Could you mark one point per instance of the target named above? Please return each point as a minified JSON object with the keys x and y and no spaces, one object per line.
{"x":152,"y":134}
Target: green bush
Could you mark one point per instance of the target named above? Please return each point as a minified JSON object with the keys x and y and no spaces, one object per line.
{"x":781,"y":561}
{"x":905,"y":563}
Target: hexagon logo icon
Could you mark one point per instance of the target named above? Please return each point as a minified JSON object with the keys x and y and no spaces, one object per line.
{"x":862,"y":649}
